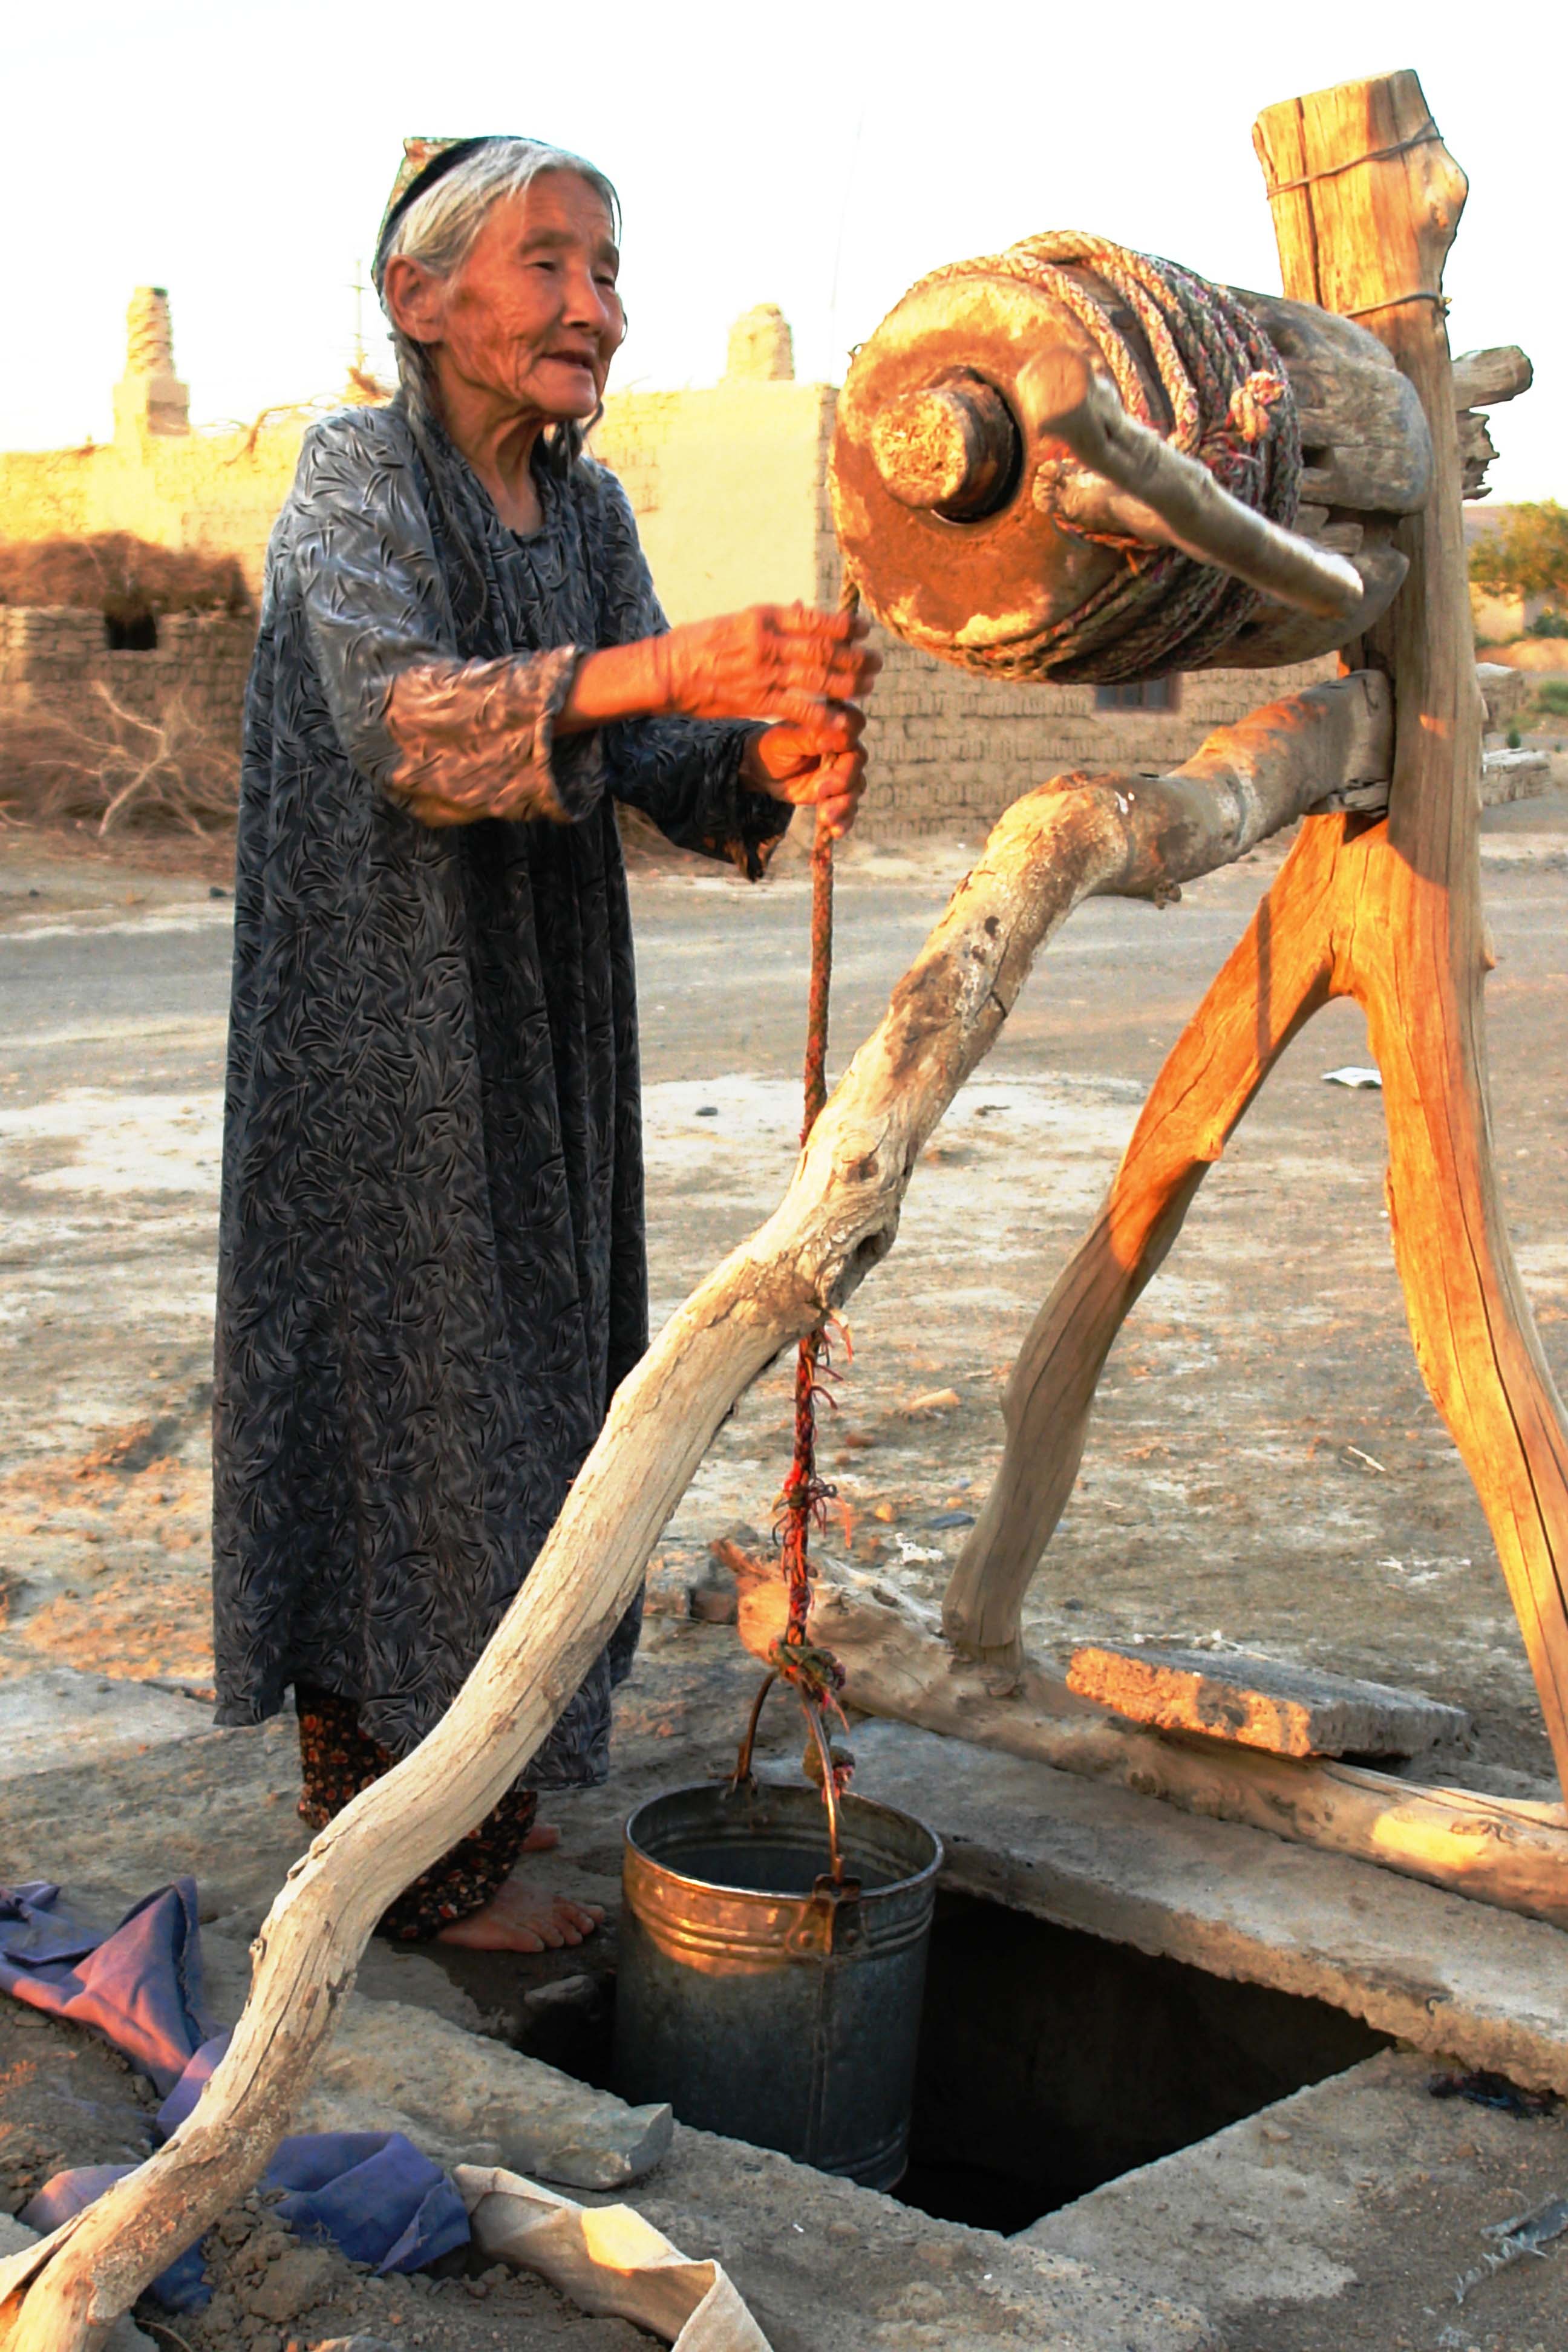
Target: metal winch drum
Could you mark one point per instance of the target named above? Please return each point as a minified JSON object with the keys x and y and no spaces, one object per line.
{"x":765,"y":1994}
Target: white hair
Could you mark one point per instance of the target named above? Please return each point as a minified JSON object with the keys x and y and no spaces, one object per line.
{"x":440,"y":228}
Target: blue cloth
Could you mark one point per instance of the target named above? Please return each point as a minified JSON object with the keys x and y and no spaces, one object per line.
{"x":371,"y":2194}
{"x":139,"y":1985}
{"x":182,"y":2287}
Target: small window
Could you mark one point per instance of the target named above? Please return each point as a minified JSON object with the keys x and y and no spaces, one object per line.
{"x":130,"y":633}
{"x":1141,"y":694}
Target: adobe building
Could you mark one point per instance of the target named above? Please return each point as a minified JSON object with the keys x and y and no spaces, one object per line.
{"x":729,"y":486}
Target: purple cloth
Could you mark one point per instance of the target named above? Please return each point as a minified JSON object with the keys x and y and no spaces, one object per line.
{"x":372,"y":2194}
{"x":139,"y":1985}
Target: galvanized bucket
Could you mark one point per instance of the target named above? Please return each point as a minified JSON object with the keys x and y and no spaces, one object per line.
{"x":765,"y":1995}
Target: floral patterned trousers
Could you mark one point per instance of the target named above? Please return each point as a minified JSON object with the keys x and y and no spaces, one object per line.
{"x":337,"y":1760}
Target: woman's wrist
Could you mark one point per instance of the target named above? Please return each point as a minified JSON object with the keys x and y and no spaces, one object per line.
{"x":616,"y":682}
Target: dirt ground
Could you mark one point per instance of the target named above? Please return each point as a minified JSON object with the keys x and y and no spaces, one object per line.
{"x":1264,"y":1469}
{"x":67,"y":2099}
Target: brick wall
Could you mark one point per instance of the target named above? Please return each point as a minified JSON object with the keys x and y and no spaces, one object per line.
{"x":53,"y":660}
{"x":949,"y":750}
{"x":729,"y":485}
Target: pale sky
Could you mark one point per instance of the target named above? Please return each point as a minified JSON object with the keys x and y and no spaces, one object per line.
{"x":821,"y":158}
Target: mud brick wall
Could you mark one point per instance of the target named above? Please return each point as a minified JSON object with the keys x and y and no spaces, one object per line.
{"x":53,"y":660}
{"x":949,"y":750}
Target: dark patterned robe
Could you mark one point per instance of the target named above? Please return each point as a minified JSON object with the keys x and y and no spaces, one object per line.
{"x":431,"y":1256}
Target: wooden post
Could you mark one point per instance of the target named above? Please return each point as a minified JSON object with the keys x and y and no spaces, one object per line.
{"x":1370,"y":237}
{"x":1367,"y":200}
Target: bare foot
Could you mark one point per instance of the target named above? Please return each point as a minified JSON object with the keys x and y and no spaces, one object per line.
{"x":542,"y":1838}
{"x":524,"y":1916}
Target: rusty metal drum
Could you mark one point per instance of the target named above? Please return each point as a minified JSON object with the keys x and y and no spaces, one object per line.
{"x":760,"y":1997}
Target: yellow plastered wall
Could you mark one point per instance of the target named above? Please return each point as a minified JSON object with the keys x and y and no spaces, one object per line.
{"x":218,"y":492}
{"x":727,"y":486}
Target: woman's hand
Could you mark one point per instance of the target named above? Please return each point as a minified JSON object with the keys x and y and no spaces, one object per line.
{"x":776,"y":661}
{"x":817,"y":763}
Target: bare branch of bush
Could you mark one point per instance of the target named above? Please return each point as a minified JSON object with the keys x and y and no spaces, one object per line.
{"x":118,"y":766}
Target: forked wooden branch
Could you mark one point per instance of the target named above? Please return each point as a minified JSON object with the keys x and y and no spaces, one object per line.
{"x":1366,"y":204}
{"x":1275,"y":980}
{"x":1064,"y":842}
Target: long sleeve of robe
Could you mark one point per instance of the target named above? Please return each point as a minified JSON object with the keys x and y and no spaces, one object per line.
{"x":431,"y":1256}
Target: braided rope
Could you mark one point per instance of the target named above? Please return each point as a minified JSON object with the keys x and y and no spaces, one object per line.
{"x":815,"y":1673}
{"x":1230,"y":406}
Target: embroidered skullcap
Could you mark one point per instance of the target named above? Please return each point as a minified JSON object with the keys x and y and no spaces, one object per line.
{"x":425,"y":161}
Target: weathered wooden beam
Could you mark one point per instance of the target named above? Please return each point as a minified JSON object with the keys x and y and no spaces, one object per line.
{"x":1510,"y":1854}
{"x":1485,"y":379}
{"x":1367,"y":200}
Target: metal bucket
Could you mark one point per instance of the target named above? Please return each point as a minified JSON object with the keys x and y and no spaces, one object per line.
{"x":758,"y":1996}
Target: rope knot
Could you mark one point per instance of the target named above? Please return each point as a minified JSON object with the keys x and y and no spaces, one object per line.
{"x":815,"y":1673}
{"x":1249,"y":415}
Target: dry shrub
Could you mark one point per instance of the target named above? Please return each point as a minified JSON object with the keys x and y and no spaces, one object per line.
{"x":127,"y":580}
{"x":106,"y":762}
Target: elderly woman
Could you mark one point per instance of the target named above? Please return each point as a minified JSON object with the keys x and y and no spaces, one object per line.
{"x":432,"y":1267}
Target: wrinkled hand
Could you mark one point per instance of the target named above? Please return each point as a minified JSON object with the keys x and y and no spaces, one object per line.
{"x":775,"y":661}
{"x":817,"y":763}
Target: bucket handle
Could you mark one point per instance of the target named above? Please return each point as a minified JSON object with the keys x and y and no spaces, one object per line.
{"x":838,"y":1887}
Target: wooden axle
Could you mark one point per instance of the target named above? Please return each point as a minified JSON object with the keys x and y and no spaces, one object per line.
{"x":1168,"y":497}
{"x":972,"y":523}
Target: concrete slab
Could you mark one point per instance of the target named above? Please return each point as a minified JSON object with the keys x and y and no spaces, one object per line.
{"x":1340,"y":2218}
{"x":1262,"y":1702}
{"x":219,"y":1806}
{"x":1425,"y":1967}
{"x":58,"y":1718}
{"x":829,"y":2267}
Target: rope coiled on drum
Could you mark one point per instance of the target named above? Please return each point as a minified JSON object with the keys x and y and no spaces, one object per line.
{"x":1230,"y":405}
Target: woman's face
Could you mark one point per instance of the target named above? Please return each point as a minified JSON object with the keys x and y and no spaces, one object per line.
{"x":532,"y":314}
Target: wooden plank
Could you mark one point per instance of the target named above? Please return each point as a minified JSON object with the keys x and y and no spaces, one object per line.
{"x":1254,"y":1702}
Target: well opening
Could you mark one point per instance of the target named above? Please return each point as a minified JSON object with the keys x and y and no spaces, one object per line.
{"x":1052,"y":2061}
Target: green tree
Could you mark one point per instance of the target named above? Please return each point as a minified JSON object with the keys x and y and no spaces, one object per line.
{"x":1527,"y":554}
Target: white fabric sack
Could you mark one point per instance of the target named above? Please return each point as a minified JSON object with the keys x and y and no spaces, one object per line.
{"x":609,"y":2260}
